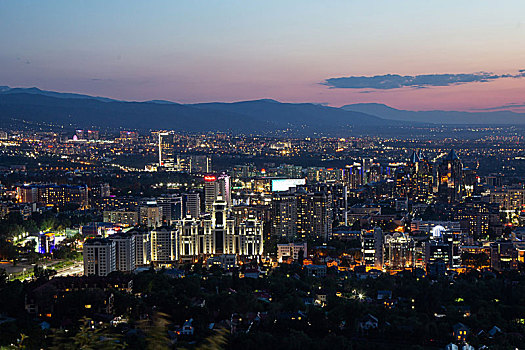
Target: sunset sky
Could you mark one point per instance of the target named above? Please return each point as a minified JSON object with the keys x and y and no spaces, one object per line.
{"x":199,"y":51}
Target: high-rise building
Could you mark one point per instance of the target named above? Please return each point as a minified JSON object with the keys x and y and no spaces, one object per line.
{"x":503,"y":256}
{"x":418,"y":178}
{"x":301,"y":214}
{"x":164,"y":245}
{"x":284,"y":215}
{"x":166,"y":150}
{"x":142,"y":246}
{"x":399,"y":252}
{"x":338,"y":192}
{"x":215,"y":186}
{"x":444,"y":245}
{"x":171,"y":207}
{"x":200,"y":164}
{"x":150,"y":215}
{"x":354,"y":176}
{"x":450,"y":178}
{"x":192,"y":205}
{"x":366,"y":170}
{"x":124,"y":251}
{"x":320,"y":215}
{"x":372,"y":247}
{"x":99,"y":257}
{"x":192,"y":239}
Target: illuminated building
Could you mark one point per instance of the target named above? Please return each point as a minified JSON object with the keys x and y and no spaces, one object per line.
{"x":191,"y":238}
{"x":292,"y":250}
{"x":450,"y":178}
{"x":509,"y":199}
{"x":283,"y":210}
{"x":129,"y":135}
{"x":419,"y":177}
{"x":123,"y":217}
{"x":301,"y":214}
{"x":399,"y":252}
{"x":192,"y":205}
{"x":339,"y":194}
{"x":372,"y":247}
{"x":199,"y":164}
{"x":215,"y":186}
{"x":444,"y":245}
{"x":142,"y":246}
{"x":163,"y":245}
{"x":165,"y":148}
{"x":52,"y":194}
{"x":354,"y":176}
{"x":150,"y":215}
{"x":171,"y":208}
{"x":99,"y":257}
{"x":477,"y":218}
{"x":503,"y":256}
{"x":124,"y":251}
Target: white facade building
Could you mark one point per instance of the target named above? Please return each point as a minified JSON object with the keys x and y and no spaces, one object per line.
{"x":99,"y":257}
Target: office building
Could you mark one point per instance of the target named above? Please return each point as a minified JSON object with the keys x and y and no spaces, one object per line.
{"x":450,"y":178}
{"x":372,"y":247}
{"x":171,"y":208}
{"x":192,"y":205}
{"x":166,"y":149}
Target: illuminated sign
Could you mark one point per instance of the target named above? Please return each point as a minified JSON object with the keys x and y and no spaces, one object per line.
{"x":210,"y":178}
{"x":279,"y":185}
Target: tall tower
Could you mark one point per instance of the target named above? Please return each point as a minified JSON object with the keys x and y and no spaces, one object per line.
{"x":165,"y":149}
{"x":450,"y":178}
{"x":214,"y":186}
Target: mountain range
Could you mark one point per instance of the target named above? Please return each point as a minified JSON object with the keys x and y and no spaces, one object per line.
{"x":35,"y":106}
{"x":259,"y":116}
{"x":439,"y":117}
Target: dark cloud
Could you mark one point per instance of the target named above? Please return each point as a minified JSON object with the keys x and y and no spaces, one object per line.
{"x":505,"y":106}
{"x":396,"y":81}
{"x":101,"y":79}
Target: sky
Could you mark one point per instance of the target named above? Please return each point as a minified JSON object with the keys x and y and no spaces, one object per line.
{"x":416,"y":55}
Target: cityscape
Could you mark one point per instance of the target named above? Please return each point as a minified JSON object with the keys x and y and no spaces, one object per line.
{"x":129,"y":221}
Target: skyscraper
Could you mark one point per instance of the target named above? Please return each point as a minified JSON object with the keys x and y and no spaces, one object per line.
{"x":165,"y":149}
{"x":450,"y":178}
{"x":215,"y":186}
{"x":192,"y":205}
{"x":171,"y":207}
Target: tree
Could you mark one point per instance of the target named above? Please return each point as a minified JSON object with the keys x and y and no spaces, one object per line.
{"x":156,"y":331}
{"x":87,"y":338}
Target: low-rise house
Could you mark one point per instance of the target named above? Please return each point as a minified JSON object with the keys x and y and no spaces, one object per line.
{"x":368,"y":322}
{"x":460,"y":332}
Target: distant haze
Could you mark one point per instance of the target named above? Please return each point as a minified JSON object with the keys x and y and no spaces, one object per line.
{"x":19,"y":106}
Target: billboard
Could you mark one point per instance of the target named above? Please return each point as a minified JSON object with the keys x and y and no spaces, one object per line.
{"x":279,"y":185}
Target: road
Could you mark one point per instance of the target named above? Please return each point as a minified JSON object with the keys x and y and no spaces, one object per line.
{"x":73,"y":270}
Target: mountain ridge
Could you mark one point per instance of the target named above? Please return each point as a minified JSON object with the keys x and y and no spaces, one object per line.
{"x":504,"y":117}
{"x":258,"y":116}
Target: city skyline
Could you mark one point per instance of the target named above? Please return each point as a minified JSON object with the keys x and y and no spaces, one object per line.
{"x":407,"y":57}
